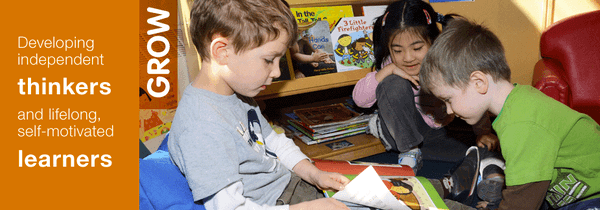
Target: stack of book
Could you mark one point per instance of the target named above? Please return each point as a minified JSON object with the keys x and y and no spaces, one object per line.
{"x":326,"y":123}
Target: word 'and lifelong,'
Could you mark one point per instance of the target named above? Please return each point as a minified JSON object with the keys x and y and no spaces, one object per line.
{"x":59,"y":114}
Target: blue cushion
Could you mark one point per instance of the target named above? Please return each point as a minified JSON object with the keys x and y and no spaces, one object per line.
{"x":162,"y":186}
{"x":164,"y":146}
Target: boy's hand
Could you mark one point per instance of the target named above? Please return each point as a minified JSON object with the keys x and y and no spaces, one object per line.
{"x":489,"y":140}
{"x":482,"y":205}
{"x":330,"y":181}
{"x":321,"y":179}
{"x":323,"y":203}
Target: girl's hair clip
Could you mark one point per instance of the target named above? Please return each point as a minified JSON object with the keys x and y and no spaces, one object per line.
{"x":384,"y":16}
{"x":427,"y":17}
{"x":440,"y":18}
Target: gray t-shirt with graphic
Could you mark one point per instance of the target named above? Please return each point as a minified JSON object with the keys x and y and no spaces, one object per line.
{"x":216,"y":140}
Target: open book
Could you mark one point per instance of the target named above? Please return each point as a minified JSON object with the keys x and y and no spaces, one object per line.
{"x":388,"y":192}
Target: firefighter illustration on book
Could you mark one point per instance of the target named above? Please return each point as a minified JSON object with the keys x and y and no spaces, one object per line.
{"x":344,"y":49}
{"x":369,"y":45}
{"x":360,"y":54}
{"x":403,"y":191}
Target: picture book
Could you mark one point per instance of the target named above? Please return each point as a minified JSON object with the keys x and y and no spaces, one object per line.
{"x":154,"y":122}
{"x":352,"y":40}
{"x":291,"y":118}
{"x":310,"y":141}
{"x":317,"y":136}
{"x":373,"y":10}
{"x":307,"y":15}
{"x":339,"y":145}
{"x":327,"y":115}
{"x":316,"y":39}
{"x":356,"y":167}
{"x":327,"y":130}
{"x":370,"y":188}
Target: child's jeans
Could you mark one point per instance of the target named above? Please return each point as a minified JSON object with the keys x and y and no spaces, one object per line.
{"x":592,"y":204}
{"x":401,"y":123}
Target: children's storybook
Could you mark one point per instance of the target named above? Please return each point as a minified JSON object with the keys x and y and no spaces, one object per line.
{"x":307,"y":15}
{"x":373,"y":10}
{"x":328,"y":131}
{"x":314,"y":29}
{"x":315,"y":39}
{"x":310,"y":141}
{"x":382,"y":186}
{"x":352,"y":41}
{"x":322,"y":116}
{"x":326,"y":123}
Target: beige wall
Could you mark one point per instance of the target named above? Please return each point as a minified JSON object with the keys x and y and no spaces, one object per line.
{"x":518,"y":34}
{"x":518,"y":24}
{"x":566,"y":8}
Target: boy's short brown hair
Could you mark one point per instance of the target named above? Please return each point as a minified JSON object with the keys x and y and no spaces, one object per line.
{"x":246,"y":23}
{"x":462,"y":48}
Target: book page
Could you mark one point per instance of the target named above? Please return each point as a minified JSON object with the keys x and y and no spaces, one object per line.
{"x":368,"y":189}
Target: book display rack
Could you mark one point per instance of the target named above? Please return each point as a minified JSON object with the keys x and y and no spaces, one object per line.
{"x":347,"y":148}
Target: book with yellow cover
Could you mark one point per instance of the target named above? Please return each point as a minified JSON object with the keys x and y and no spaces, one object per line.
{"x":307,"y":15}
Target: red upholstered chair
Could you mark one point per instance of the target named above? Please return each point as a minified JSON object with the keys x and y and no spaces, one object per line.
{"x":569,"y":70}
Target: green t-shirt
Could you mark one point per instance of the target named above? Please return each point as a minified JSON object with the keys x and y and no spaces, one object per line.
{"x":543,"y":139}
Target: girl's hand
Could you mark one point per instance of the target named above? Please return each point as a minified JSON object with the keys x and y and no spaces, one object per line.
{"x":403,"y":74}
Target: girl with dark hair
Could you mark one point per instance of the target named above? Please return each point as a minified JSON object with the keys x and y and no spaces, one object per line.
{"x":407,"y":116}
{"x":401,"y":38}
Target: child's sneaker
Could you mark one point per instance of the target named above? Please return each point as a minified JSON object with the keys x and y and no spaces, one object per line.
{"x":490,"y":189}
{"x":462,"y":178}
{"x":412,"y":158}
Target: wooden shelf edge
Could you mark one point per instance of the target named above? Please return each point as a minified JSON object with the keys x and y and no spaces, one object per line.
{"x":311,"y":84}
{"x":364,"y":145}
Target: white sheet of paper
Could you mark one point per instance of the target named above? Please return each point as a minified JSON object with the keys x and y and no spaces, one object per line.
{"x":368,"y":189}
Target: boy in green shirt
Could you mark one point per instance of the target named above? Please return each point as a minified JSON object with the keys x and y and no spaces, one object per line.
{"x":552,"y":152}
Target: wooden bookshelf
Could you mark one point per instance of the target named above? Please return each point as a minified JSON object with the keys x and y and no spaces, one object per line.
{"x":364,"y":145}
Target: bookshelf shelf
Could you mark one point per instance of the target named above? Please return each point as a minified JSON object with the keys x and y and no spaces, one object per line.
{"x":311,"y":84}
{"x":364,"y":145}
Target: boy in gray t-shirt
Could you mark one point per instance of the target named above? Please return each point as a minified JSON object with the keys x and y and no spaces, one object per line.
{"x":219,"y":139}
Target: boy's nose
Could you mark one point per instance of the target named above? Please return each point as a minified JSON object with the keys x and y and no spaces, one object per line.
{"x":276,"y":72}
{"x":449,"y":110}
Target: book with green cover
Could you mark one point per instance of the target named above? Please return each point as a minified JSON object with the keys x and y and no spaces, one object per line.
{"x":382,"y":189}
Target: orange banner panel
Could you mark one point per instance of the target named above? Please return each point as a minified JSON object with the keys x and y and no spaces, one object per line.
{"x":71,"y":72}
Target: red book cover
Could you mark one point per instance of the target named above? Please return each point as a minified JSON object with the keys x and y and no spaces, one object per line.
{"x":355,"y":167}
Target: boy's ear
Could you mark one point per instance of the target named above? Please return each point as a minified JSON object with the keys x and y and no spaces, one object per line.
{"x":480,"y":81}
{"x":219,"y":49}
